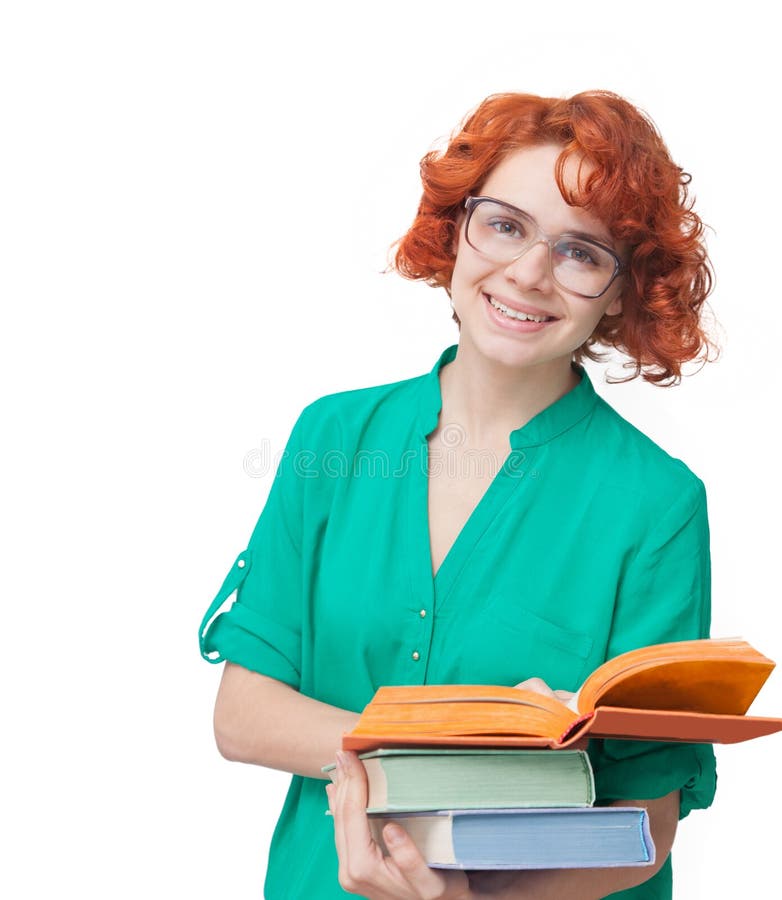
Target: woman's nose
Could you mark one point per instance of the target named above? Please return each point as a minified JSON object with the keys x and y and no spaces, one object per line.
{"x":531,"y":270}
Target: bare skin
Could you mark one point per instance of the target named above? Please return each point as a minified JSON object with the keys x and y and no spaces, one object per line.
{"x":261,"y":720}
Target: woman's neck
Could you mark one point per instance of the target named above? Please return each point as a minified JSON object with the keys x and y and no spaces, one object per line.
{"x":489,"y":399}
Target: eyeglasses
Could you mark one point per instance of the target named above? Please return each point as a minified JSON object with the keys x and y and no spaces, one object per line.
{"x":504,"y":234}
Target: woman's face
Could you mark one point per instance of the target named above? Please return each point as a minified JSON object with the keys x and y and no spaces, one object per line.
{"x":525,"y":180}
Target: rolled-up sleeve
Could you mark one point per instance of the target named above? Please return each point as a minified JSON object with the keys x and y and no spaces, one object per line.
{"x":665,"y":596}
{"x":261,"y":628}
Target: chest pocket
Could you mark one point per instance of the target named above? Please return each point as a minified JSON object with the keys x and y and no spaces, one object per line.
{"x":506,"y":646}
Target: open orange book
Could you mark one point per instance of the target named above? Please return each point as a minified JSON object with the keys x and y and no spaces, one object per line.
{"x":694,"y":691}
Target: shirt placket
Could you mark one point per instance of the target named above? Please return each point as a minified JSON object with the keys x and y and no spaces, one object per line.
{"x":420,"y":611}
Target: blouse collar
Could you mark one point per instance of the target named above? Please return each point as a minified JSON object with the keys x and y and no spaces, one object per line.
{"x":562,"y":415}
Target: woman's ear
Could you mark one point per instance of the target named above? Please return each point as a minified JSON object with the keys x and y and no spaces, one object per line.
{"x":615,"y":306}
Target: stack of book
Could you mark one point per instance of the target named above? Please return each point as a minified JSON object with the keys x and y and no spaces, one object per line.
{"x":486,"y":777}
{"x":502,"y":809}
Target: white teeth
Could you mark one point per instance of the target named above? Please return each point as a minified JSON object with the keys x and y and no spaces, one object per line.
{"x":513,"y":314}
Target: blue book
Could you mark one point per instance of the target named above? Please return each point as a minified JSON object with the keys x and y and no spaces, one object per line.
{"x":576,"y":838}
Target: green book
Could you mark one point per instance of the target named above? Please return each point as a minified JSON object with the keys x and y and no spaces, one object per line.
{"x":409,"y":780}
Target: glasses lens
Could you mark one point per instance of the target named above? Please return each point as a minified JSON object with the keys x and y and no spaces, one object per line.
{"x":499,"y":232}
{"x":582,"y":266}
{"x":505,"y":234}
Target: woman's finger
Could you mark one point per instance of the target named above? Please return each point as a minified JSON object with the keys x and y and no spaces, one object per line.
{"x":363,"y":868}
{"x":351,"y":794}
{"x":538,"y":685}
{"x":361,"y":863}
{"x":423,"y":881}
{"x":348,"y":805}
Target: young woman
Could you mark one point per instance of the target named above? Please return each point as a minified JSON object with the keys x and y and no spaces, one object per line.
{"x":492,"y":521}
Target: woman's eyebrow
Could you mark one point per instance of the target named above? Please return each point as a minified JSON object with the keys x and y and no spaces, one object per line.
{"x":512,"y":207}
{"x":604,"y":240}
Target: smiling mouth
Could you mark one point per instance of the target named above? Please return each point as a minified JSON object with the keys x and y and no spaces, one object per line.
{"x":515,"y":314}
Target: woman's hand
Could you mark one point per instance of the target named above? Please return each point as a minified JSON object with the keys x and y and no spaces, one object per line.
{"x":362,"y":867}
{"x":539,"y":686}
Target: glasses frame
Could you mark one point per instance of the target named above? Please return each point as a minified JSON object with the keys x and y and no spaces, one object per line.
{"x":472,"y":203}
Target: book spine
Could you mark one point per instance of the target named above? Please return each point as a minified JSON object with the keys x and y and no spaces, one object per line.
{"x":575,"y":729}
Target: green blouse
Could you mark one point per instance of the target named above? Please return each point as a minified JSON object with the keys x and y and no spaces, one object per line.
{"x":589,"y":541}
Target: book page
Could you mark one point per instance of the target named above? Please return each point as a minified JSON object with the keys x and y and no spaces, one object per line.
{"x":709,"y":676}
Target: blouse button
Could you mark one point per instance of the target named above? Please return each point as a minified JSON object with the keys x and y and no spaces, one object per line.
{"x":416,"y":655}
{"x":240,"y":564}
{"x":422,"y":614}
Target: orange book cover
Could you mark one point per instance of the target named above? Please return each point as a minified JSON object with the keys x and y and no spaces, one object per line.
{"x":693,"y":691}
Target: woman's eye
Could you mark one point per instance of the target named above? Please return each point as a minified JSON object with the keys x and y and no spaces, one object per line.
{"x":579,"y":254}
{"x":507,"y":228}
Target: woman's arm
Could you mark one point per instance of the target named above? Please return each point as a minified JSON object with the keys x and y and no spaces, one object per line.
{"x":589,"y":884}
{"x":263,"y":721}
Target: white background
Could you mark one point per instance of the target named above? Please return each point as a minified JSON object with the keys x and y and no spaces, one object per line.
{"x":156,"y":330}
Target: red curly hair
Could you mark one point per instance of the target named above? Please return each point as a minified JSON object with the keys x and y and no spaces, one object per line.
{"x":633,"y":186}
